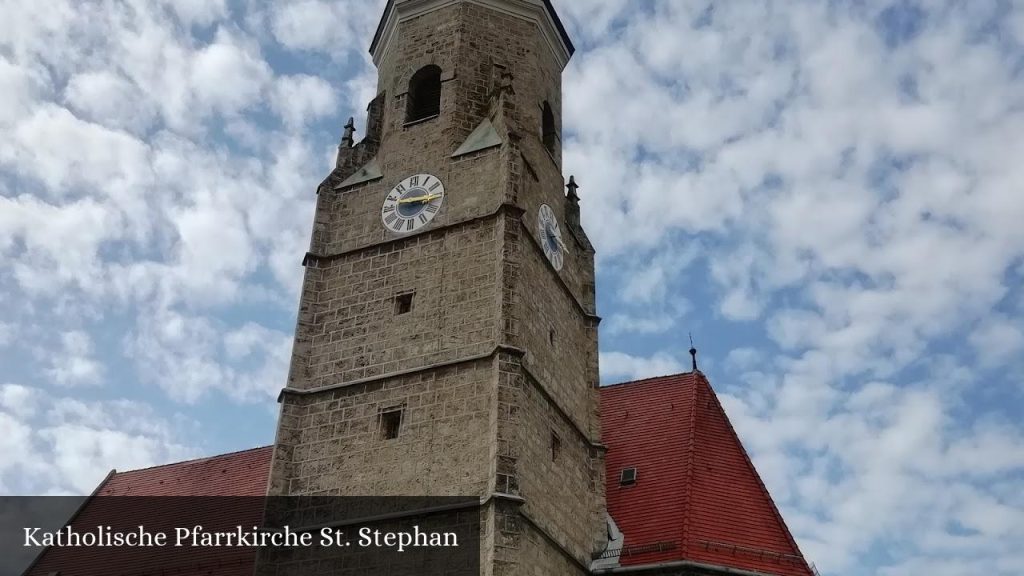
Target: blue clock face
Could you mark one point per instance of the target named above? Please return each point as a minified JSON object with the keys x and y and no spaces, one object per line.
{"x":550,"y":237}
{"x":412,"y":204}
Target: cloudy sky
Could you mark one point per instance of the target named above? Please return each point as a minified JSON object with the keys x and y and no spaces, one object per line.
{"x":828,"y":195}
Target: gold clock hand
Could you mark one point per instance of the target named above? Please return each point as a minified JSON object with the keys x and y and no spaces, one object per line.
{"x":419,"y":199}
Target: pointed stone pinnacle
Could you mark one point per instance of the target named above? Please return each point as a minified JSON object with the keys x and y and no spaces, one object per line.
{"x":573,"y":186}
{"x":350,"y":128}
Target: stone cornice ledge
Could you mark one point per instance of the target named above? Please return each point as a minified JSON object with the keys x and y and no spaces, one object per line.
{"x":371,"y":379}
{"x":314,"y":259}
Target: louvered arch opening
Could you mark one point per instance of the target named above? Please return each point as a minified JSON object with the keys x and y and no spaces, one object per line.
{"x":424,"y":98}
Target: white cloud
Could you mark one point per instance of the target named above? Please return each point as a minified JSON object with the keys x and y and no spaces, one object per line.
{"x":628,"y":324}
{"x":74,"y":365}
{"x":622,"y":367}
{"x":109,"y":99}
{"x":61,"y":244}
{"x":190,"y":357}
{"x":300,"y":99}
{"x":20,"y":400}
{"x":6,"y":333}
{"x":744,"y":359}
{"x":68,"y":154}
{"x":329,"y":27}
{"x":23,"y":86}
{"x":67,"y":446}
{"x":997,"y":341}
{"x":307,"y":24}
{"x":857,"y":203}
{"x":16,"y":444}
{"x":228,"y":75}
{"x":197,"y":12}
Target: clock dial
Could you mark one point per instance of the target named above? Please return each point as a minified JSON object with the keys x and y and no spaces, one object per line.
{"x":551,"y":237}
{"x":412,"y":204}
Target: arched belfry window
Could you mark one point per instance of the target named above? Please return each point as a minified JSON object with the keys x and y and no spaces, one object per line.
{"x":424,"y":98}
{"x":548,"y":134}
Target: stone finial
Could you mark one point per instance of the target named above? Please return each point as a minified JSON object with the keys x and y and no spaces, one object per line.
{"x":573,"y":186}
{"x":347,"y":140}
{"x":572,"y":206}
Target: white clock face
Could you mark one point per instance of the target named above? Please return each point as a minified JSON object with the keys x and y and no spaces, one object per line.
{"x":412,"y":204}
{"x":550,"y":236}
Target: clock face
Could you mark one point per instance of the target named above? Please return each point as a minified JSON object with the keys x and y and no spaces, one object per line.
{"x":412,"y":204}
{"x":551,"y":236}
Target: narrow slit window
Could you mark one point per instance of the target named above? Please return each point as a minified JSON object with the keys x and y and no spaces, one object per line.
{"x":424,"y":97}
{"x":548,"y":134}
{"x":551,"y":336}
{"x":390,"y":424}
{"x":403,"y":303}
{"x":556,"y":447}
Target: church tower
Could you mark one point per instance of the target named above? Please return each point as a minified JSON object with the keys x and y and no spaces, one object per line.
{"x":447,"y":338}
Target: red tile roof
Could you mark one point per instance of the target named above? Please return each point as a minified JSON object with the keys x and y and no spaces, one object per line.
{"x":241,"y":474}
{"x":697,"y":495}
{"x":237,"y":474}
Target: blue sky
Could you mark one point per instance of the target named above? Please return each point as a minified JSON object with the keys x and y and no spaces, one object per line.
{"x":827,"y":195}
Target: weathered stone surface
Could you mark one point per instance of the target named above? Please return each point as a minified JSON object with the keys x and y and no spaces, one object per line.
{"x":498,"y":354}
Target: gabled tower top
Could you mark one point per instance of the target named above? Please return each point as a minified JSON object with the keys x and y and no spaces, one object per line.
{"x":539,"y":11}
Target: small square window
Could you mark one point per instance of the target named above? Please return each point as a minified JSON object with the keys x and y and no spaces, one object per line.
{"x":403,"y":303}
{"x":627,"y":477}
{"x":556,"y":447}
{"x":390,"y":424}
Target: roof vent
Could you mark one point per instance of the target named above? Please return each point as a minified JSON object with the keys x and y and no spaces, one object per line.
{"x":627,"y":477}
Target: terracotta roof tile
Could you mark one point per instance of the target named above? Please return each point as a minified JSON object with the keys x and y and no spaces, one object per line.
{"x":241,"y":474}
{"x":698,"y":495}
{"x":237,"y":474}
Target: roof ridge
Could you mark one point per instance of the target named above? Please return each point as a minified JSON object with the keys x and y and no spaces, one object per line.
{"x":651,"y":379}
{"x":757,"y":476}
{"x":691,"y":451}
{"x":197,"y":460}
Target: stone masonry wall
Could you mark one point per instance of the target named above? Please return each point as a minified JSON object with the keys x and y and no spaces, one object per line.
{"x":356,"y":332}
{"x":472,"y":189}
{"x":560,"y":491}
{"x":554,"y":332}
{"x":333,"y":444}
{"x":483,"y":424}
{"x":522,"y":550}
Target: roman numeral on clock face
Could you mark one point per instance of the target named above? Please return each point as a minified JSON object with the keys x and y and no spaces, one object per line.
{"x":412,"y":204}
